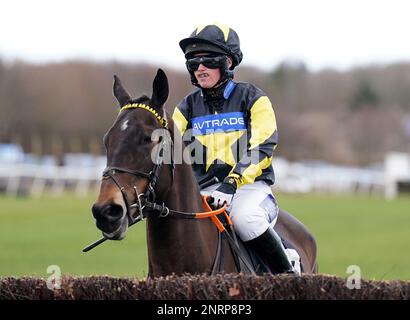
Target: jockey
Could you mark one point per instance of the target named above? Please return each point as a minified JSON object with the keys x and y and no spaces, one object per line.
{"x":231,"y":129}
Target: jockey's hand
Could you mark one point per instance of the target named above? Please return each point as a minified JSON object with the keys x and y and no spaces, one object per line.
{"x":224,"y":193}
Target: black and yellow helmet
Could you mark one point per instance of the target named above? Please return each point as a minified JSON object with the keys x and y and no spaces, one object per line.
{"x":213,"y":38}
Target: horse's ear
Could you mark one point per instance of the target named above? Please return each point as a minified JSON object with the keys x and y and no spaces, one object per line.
{"x":160,"y":89}
{"x":120,"y":93}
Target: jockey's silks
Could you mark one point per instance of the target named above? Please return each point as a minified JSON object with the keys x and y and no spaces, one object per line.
{"x":235,"y":139}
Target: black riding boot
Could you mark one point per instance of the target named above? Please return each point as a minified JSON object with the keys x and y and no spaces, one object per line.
{"x":268,"y":246}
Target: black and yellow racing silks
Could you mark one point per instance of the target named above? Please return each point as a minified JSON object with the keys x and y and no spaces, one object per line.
{"x":237,"y":142}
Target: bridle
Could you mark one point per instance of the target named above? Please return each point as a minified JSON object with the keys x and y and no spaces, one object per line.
{"x":147,"y":198}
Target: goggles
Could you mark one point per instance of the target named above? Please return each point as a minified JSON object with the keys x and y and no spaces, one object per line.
{"x":207,"y":61}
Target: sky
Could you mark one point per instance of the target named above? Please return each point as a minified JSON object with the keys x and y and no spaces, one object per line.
{"x":322,"y":34}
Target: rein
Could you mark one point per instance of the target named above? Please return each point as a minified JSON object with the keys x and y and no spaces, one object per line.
{"x":165,"y":211}
{"x":224,"y":229}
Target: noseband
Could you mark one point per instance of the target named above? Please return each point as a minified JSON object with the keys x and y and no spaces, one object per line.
{"x":149,"y":196}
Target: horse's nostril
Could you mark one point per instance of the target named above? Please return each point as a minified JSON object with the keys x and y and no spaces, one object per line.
{"x":113,"y":211}
{"x":96,"y":210}
{"x":110,"y":212}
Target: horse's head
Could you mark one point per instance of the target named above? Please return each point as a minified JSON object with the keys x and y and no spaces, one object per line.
{"x":133,"y":166}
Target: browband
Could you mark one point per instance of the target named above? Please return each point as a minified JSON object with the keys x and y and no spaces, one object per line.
{"x":161,"y":119}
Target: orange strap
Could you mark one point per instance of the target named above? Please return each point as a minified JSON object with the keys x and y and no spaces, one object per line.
{"x":212,"y":214}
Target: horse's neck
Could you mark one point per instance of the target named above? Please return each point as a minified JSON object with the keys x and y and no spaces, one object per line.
{"x":181,"y":245}
{"x":184,"y":194}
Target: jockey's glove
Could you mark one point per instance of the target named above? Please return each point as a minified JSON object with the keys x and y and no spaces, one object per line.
{"x":224,"y":193}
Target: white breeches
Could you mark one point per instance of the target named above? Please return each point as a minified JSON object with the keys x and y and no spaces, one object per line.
{"x":253,"y":209}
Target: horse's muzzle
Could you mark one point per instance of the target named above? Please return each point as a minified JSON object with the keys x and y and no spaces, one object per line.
{"x":109,"y":217}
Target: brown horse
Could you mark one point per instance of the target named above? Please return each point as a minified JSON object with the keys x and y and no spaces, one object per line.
{"x":133,"y":176}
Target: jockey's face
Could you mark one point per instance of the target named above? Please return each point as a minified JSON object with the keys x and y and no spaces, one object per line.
{"x":207,"y":78}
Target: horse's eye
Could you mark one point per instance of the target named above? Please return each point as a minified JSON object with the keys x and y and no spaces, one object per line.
{"x":147,"y":139}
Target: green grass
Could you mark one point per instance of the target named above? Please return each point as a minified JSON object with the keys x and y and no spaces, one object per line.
{"x":372,"y":233}
{"x":36,"y":233}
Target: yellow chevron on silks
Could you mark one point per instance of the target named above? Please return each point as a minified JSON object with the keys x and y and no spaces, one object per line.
{"x":219,"y":146}
{"x":179,"y":120}
{"x":252,"y":172}
{"x":225,"y":29}
{"x":263,"y":121}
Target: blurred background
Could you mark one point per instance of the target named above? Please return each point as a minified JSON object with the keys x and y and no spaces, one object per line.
{"x":337,"y":73}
